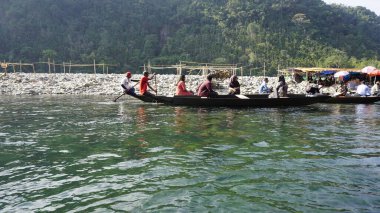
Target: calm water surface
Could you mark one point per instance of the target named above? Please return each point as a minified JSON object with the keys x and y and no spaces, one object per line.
{"x":89,"y":154}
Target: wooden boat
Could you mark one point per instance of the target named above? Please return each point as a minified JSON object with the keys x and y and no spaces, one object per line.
{"x":145,"y":98}
{"x":329,"y":99}
{"x":352,"y":100}
{"x":240,"y":101}
{"x":347,"y":99}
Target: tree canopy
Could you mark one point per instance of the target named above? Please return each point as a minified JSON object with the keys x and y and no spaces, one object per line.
{"x":250,"y":33}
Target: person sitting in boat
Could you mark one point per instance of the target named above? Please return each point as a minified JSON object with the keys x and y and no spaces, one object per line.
{"x":205,"y":89}
{"x":264,"y":89}
{"x":144,"y":84}
{"x":234,"y":86}
{"x":312,"y":89}
{"x":181,"y":87}
{"x":363,"y":90}
{"x":342,"y":90}
{"x":353,"y":85}
{"x":375,"y":90}
{"x":282,"y":87}
{"x":126,"y":83}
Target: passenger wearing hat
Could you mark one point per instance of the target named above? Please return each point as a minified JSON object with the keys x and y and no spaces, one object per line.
{"x":126,"y":83}
{"x":144,"y":84}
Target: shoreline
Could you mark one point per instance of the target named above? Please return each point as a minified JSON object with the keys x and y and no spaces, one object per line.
{"x":109,"y":84}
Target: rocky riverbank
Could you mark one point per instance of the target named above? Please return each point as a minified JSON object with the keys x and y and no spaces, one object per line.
{"x":109,"y":84}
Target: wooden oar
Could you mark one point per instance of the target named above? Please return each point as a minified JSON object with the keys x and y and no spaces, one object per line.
{"x":114,"y":100}
{"x":242,"y":96}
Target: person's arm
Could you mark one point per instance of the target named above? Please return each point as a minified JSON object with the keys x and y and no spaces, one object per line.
{"x":278,"y":87}
{"x":182,"y":86}
{"x":208,"y":87}
{"x":261,"y":89}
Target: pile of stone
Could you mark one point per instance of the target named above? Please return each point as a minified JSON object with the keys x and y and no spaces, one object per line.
{"x":109,"y":84}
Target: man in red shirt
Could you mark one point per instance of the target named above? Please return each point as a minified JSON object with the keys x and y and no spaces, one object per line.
{"x":144,"y":84}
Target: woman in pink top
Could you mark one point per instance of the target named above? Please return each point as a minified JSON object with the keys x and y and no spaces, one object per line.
{"x":181,"y":87}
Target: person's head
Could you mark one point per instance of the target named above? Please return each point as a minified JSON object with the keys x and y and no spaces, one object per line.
{"x":182,"y":78}
{"x":209,"y":77}
{"x":128,"y":74}
{"x":233,"y":78}
{"x":378,"y":83}
{"x":281,"y":78}
{"x":266,"y":80}
{"x":146,"y":73}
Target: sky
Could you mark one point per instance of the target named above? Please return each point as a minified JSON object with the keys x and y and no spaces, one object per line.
{"x":373,"y":5}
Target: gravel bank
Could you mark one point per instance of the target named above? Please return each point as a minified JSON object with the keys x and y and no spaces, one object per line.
{"x":109,"y":84}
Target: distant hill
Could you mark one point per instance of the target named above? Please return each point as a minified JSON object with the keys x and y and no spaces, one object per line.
{"x":248,"y":32}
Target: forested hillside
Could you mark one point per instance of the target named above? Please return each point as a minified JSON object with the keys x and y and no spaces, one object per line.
{"x":248,"y":32}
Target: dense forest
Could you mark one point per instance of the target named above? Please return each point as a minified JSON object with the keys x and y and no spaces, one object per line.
{"x":251,"y":33}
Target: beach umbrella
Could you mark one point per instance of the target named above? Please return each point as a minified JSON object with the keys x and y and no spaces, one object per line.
{"x":341,"y":74}
{"x":368,"y":69}
{"x":374,"y":73}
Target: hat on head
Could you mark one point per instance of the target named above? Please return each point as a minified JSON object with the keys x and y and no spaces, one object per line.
{"x":129,"y":74}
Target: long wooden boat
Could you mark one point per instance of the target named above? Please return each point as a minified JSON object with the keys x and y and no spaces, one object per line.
{"x":239,"y":101}
{"x":329,"y":99}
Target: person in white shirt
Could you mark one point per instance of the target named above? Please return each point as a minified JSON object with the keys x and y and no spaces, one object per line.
{"x":126,"y":83}
{"x":264,"y":89}
{"x":375,"y":90}
{"x":363,"y":90}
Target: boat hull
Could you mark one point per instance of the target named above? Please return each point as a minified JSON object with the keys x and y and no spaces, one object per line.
{"x":234,"y":101}
{"x":352,"y":100}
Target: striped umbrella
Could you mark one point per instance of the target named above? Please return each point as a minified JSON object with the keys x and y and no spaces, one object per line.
{"x":374,"y":73}
{"x":368,"y":69}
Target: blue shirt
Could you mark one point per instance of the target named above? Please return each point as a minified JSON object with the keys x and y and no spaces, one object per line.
{"x":264,"y":88}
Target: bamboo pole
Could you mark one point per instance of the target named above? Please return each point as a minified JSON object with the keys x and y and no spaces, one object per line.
{"x":94,"y":67}
{"x":49,"y":65}
{"x":264,"y":70}
{"x":70,"y":67}
{"x":54,"y":65}
{"x":20,"y":66}
{"x":64,"y":67}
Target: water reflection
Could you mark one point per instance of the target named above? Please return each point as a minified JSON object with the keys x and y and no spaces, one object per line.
{"x":230,"y":117}
{"x":179,"y":120}
{"x":364,"y":114}
{"x":141,"y":118}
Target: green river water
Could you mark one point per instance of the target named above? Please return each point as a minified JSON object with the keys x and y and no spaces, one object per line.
{"x":89,"y":154}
